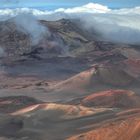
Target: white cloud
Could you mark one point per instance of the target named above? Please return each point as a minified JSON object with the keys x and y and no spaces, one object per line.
{"x":8,"y":13}
{"x":89,"y":8}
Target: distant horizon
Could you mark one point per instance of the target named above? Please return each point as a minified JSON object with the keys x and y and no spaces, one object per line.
{"x":52,"y":8}
{"x":49,"y":5}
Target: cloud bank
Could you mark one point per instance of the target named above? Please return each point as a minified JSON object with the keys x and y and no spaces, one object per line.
{"x":122,"y":25}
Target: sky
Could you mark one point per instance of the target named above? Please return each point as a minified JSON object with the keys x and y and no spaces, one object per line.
{"x":54,"y":4}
